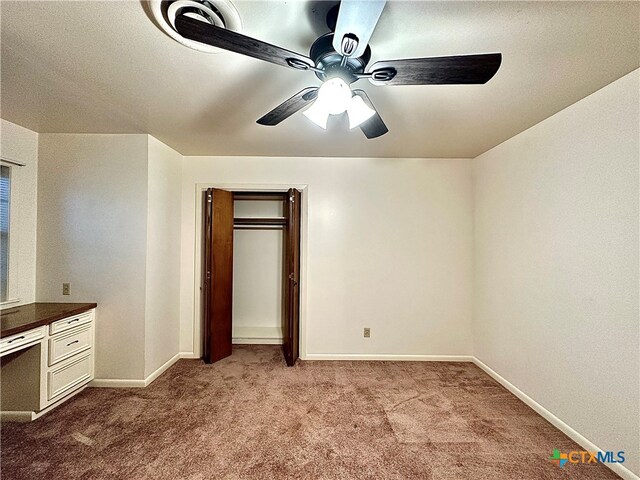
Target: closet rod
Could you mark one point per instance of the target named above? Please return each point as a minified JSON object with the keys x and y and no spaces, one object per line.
{"x":260,"y":221}
{"x":258,"y":227}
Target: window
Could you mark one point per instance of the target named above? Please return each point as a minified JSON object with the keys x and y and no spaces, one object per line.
{"x":5,"y":204}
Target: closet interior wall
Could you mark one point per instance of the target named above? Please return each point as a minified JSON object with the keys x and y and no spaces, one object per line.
{"x":258,"y":268}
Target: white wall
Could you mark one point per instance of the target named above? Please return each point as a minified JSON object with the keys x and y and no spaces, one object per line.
{"x":556,"y":255}
{"x":257,"y":275}
{"x":257,"y":284}
{"x":162,"y":310}
{"x":20,"y":144}
{"x":92,"y":232}
{"x":389,"y":245}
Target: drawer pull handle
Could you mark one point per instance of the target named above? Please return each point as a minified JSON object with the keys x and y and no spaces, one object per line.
{"x":74,"y":320}
{"x":75,"y":341}
{"x":17,"y":338}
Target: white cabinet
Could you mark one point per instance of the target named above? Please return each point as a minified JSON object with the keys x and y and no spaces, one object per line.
{"x":21,"y":340}
{"x":69,"y":343}
{"x":69,"y":375}
{"x":46,"y":365}
{"x":68,"y":323}
{"x":70,"y":355}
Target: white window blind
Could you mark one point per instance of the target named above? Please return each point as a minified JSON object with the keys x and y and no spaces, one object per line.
{"x":5,"y":204}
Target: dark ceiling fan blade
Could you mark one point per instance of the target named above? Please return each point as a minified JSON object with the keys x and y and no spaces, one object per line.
{"x":462,"y":69}
{"x":357,"y":18}
{"x":374,"y":127}
{"x":202,"y":32}
{"x":289,"y":107}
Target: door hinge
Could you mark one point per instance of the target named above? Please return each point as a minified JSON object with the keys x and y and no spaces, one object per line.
{"x":292,"y":199}
{"x":208,"y":198}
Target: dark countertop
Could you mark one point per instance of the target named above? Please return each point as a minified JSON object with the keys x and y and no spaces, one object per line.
{"x":25,"y":317}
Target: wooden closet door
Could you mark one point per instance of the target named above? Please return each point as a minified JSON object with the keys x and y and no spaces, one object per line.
{"x":292,"y":277}
{"x":218,"y":274}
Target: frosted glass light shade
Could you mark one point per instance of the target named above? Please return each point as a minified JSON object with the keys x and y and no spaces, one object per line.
{"x":334,"y":95}
{"x":358,"y":111}
{"x":317,"y":114}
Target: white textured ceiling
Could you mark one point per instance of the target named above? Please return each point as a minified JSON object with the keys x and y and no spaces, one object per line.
{"x":104,"y":67}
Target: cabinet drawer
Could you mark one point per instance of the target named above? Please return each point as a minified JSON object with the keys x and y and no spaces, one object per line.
{"x":16,"y":341}
{"x":69,"y":375}
{"x":70,"y":322}
{"x":65,"y":345}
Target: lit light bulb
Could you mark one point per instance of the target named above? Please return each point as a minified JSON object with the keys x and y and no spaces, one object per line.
{"x":334,"y":98}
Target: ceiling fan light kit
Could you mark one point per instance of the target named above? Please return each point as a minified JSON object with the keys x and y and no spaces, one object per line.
{"x":334,"y":98}
{"x":338,"y":58}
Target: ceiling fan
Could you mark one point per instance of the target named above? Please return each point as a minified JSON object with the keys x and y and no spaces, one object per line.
{"x":339,"y":58}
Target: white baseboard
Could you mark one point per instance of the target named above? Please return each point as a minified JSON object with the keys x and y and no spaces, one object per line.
{"x":116,"y":383}
{"x":161,"y":369}
{"x":256,"y":341}
{"x":587,"y":444}
{"x":388,"y":357}
{"x":189,"y":355}
{"x":134,"y":383}
{"x":257,"y":336}
{"x":17,"y":417}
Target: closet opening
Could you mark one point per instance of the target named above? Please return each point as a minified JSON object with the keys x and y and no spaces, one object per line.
{"x":251,"y":271}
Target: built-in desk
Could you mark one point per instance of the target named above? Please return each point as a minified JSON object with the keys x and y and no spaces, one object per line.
{"x":46,"y":356}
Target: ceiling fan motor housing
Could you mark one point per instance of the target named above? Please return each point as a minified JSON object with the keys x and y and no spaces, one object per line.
{"x":333,"y":64}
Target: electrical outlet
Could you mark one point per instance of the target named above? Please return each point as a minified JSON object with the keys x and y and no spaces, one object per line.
{"x":66,"y":289}
{"x":367,"y":332}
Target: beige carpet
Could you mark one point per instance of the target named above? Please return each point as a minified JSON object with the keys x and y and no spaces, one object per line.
{"x":250,"y":417}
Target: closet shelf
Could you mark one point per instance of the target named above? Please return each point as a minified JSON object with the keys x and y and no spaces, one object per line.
{"x":269,"y":196}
